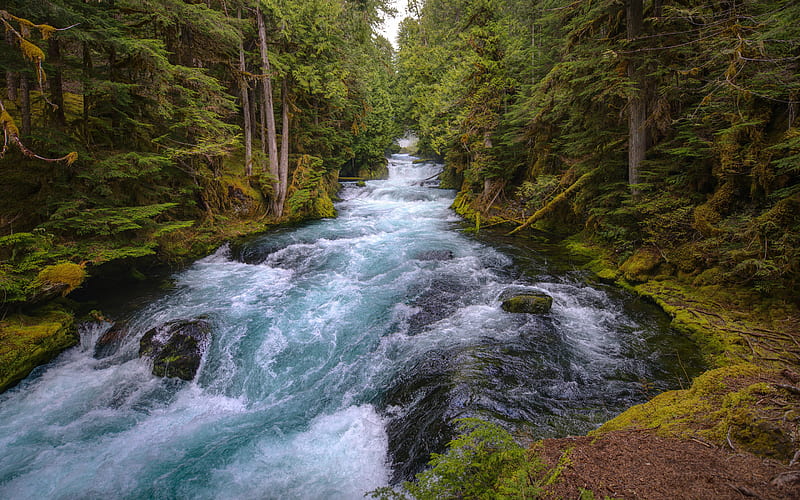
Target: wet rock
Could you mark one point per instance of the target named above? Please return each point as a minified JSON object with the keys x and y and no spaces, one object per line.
{"x":530,"y":303}
{"x":435,"y":255}
{"x":110,"y":342}
{"x":176,"y":348}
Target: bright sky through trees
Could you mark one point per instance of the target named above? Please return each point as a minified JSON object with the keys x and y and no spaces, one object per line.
{"x":390,"y":25}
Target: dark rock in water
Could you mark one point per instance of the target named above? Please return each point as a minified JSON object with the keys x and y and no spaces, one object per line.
{"x":435,"y":255}
{"x":110,"y":341}
{"x":176,"y":348}
{"x":437,"y":299}
{"x":531,"y":303}
{"x":425,"y":424}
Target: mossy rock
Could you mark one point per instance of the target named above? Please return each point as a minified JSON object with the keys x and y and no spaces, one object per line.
{"x":57,"y":280}
{"x":721,"y":407}
{"x":712,"y":276}
{"x":530,"y":303}
{"x":376,"y":172}
{"x":27,"y":341}
{"x":641,"y":265}
{"x":176,"y":348}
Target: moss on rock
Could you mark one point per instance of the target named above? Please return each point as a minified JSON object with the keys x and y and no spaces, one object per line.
{"x":530,"y":303}
{"x":641,"y":265}
{"x":27,"y":341}
{"x":720,"y":407}
{"x":59,"y":279}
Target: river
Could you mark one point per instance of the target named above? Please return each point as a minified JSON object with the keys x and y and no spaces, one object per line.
{"x":341,"y":352}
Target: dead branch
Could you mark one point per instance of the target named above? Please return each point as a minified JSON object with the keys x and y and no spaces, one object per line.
{"x":555,"y":202}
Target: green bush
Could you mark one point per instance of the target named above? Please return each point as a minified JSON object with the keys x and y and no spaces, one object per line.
{"x":484,"y":461}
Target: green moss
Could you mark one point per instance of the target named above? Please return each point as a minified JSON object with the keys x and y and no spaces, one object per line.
{"x":531,"y":304}
{"x":599,"y":261}
{"x":27,"y":341}
{"x":640,"y":265}
{"x":60,"y":279}
{"x":689,"y":308}
{"x":713,"y":276}
{"x":718,"y":408}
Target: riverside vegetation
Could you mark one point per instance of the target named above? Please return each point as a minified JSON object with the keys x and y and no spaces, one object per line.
{"x":657,"y":139}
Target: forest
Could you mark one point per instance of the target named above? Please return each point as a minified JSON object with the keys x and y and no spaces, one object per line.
{"x":656,"y":139}
{"x":665,"y":131}
{"x":149,"y":127}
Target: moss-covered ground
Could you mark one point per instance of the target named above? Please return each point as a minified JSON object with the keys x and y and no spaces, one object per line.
{"x":29,"y":340}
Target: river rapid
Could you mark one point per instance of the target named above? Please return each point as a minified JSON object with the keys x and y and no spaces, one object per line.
{"x":341,"y":352}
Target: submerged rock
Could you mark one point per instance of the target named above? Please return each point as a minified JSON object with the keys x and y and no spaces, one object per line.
{"x":435,"y":255}
{"x":176,"y":348}
{"x":530,"y":303}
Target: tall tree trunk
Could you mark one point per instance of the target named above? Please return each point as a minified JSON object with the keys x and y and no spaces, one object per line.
{"x":87,"y":102}
{"x":55,"y":82}
{"x":248,"y":128}
{"x":12,"y":82}
{"x":25,"y":103}
{"x":637,"y":103}
{"x":12,"y":77}
{"x":284,"y":162}
{"x":269,"y":111}
{"x":262,"y":128}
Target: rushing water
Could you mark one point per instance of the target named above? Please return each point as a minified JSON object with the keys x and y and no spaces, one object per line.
{"x":341,"y":352}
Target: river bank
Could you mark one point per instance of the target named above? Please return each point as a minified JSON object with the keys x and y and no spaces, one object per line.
{"x":33,"y":334}
{"x":732,"y":433}
{"x":744,"y":410}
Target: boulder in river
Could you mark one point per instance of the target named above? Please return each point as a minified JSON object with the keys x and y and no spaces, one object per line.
{"x":176,"y":348}
{"x":531,"y":303}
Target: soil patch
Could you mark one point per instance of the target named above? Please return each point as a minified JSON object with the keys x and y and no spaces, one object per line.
{"x":638,"y":464}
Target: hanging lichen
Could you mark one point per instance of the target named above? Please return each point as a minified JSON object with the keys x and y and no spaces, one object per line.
{"x":30,"y":51}
{"x":9,"y":127}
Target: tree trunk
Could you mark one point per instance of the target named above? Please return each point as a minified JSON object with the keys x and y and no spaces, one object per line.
{"x":11,"y":85}
{"x":637,"y":110}
{"x":87,"y":73}
{"x":262,"y":128}
{"x":248,"y":128}
{"x":12,"y":77}
{"x":25,"y":104}
{"x":269,"y":111}
{"x":55,"y":83}
{"x":284,"y":163}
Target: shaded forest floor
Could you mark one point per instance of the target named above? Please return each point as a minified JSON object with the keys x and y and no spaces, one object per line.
{"x":642,"y":465}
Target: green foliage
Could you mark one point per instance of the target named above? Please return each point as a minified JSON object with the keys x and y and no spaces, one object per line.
{"x":309,"y":196}
{"x":523,"y":97}
{"x":484,"y":461}
{"x":104,"y":221}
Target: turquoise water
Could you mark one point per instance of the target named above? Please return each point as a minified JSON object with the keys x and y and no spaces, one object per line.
{"x":341,"y":351}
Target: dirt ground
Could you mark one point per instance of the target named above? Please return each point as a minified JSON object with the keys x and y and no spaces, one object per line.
{"x":641,"y":465}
